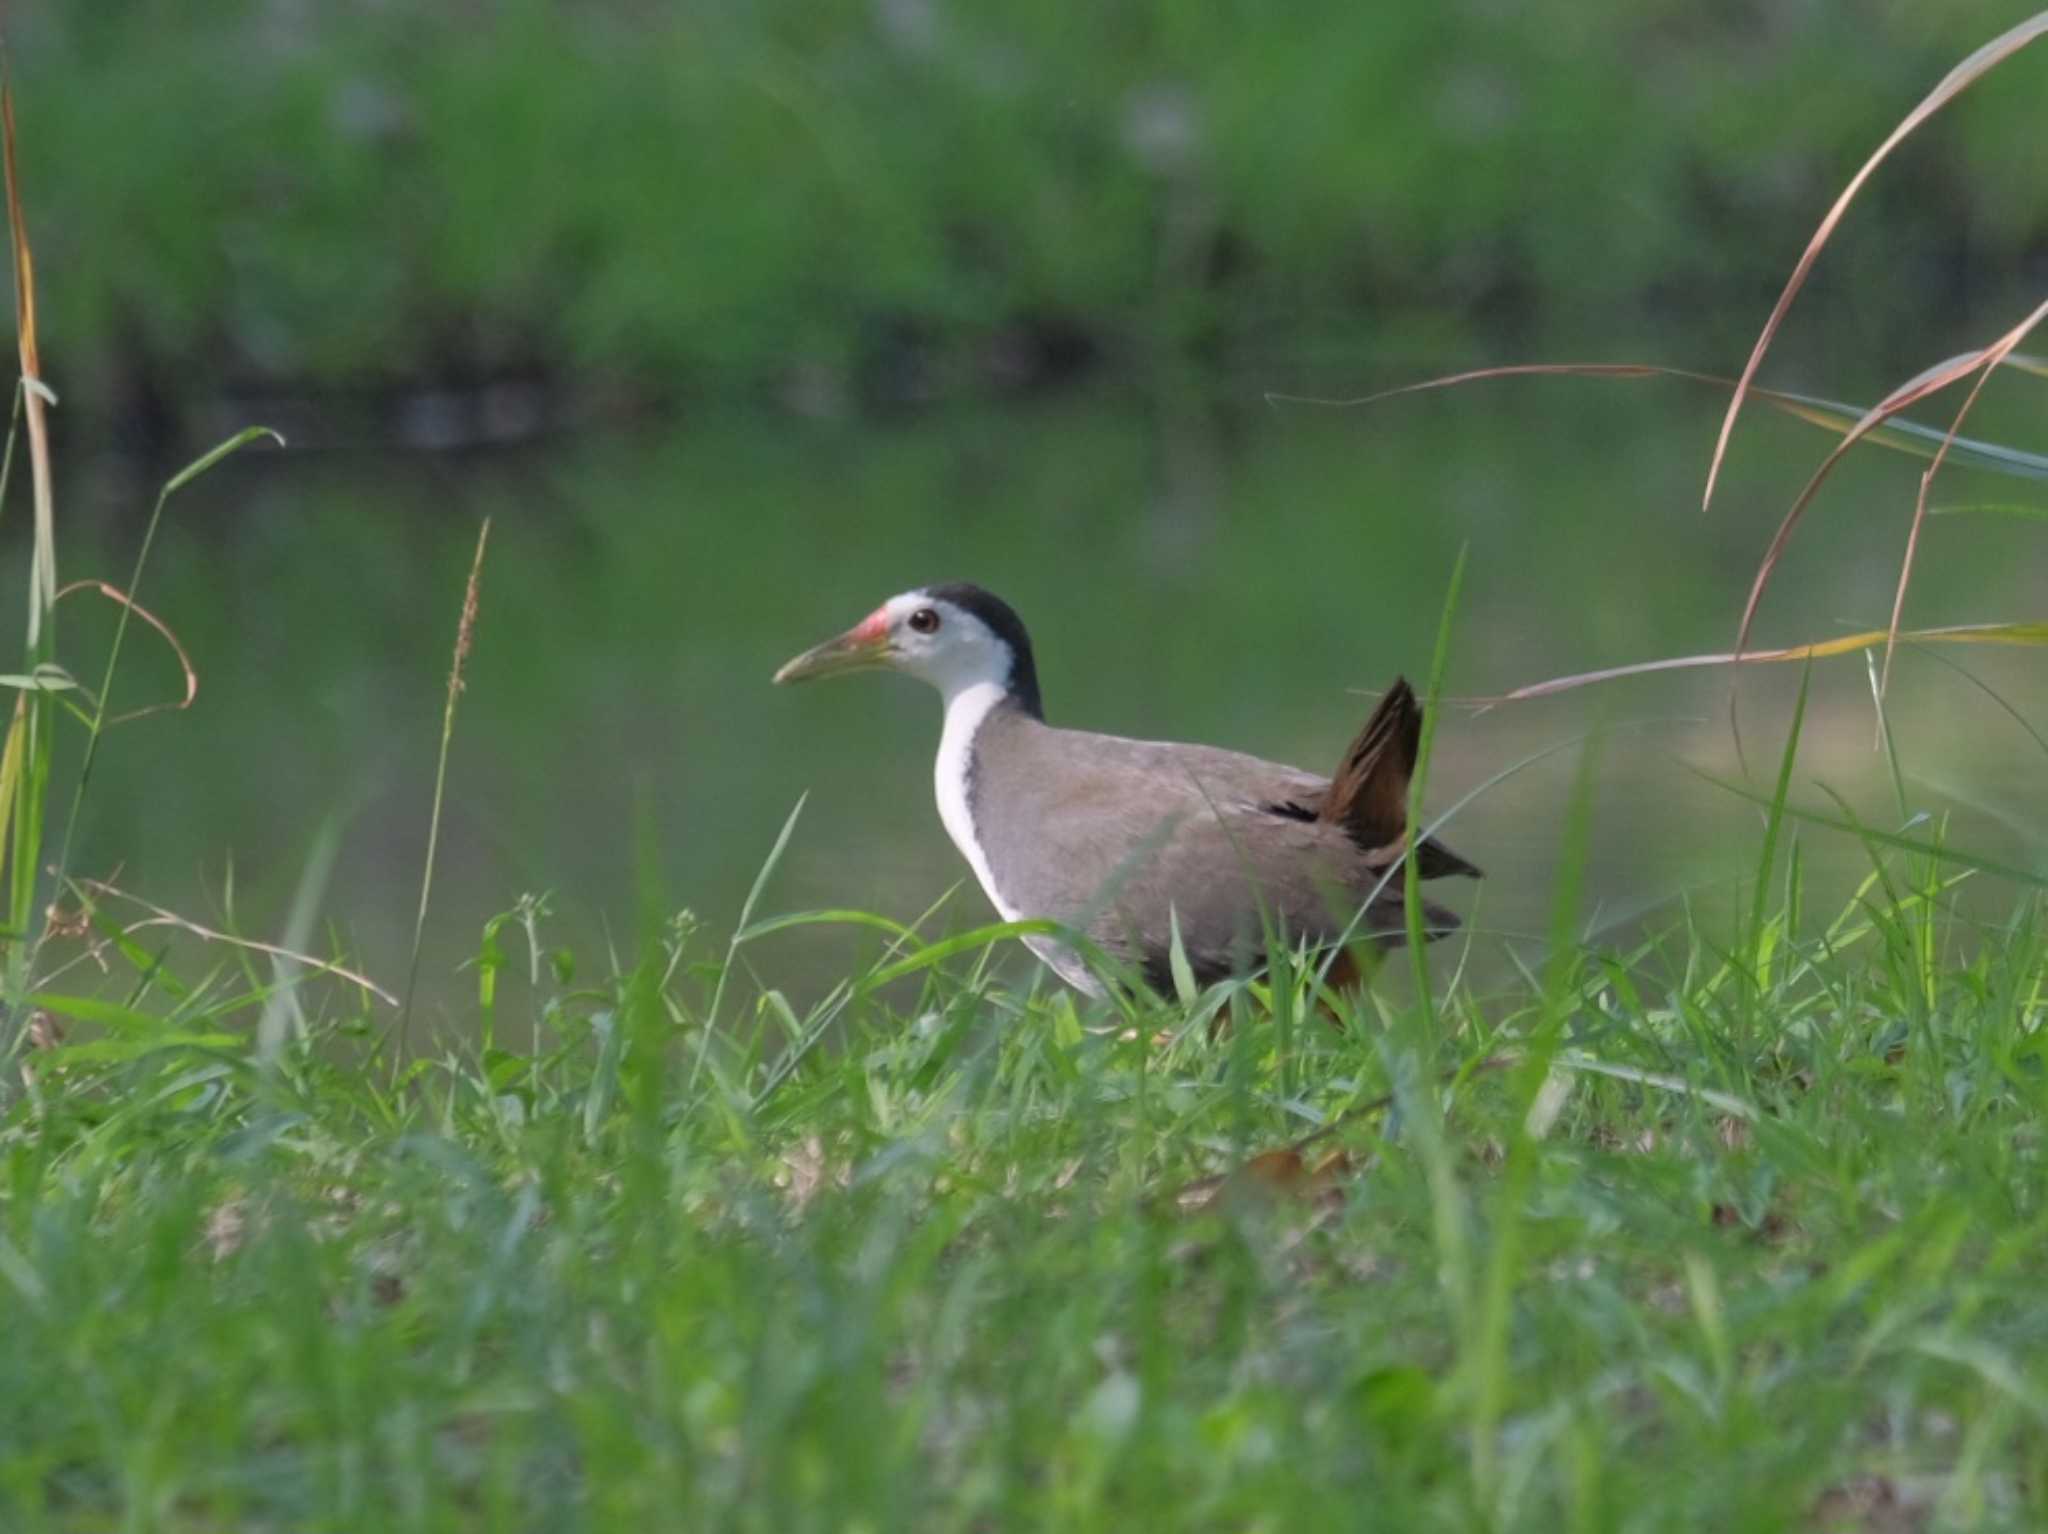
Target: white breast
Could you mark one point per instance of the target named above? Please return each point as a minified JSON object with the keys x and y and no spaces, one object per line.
{"x":965,"y":712}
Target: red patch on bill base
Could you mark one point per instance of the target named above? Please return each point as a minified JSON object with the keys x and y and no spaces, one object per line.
{"x":875,"y":626}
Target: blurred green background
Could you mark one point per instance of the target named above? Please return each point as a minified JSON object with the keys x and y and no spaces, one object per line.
{"x":888,"y":200}
{"x":740,"y":317}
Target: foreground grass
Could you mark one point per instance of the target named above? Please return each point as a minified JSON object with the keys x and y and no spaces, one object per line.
{"x":1667,"y":1238}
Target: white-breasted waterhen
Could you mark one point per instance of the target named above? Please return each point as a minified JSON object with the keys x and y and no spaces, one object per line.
{"x":1129,"y":840}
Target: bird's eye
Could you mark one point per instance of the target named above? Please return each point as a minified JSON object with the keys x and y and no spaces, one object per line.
{"x":925,"y":620}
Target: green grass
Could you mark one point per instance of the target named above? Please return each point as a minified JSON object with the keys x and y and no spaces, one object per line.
{"x":1672,"y":1237}
{"x":1734,"y":1226}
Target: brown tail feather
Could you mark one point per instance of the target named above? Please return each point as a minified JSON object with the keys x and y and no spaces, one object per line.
{"x":1368,"y":795}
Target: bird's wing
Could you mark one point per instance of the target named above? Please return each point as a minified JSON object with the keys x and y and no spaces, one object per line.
{"x":1127,"y":839}
{"x":1228,"y":878}
{"x":1060,"y":812}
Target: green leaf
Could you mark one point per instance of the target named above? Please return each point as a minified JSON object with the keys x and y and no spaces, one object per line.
{"x":227,"y":449}
{"x":1184,"y":985}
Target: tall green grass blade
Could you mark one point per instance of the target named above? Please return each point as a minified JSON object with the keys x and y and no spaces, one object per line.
{"x":1774,"y":820}
{"x":282,"y":1013}
{"x":761,"y":878}
{"x":205,"y":462}
{"x":1885,"y":741}
{"x":1184,"y":987}
{"x":2032,"y":878}
{"x":973,"y":940}
{"x":1418,"y":784}
{"x":835,"y":917}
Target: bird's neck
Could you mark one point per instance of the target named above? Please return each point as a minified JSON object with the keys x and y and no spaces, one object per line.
{"x":967,"y":709}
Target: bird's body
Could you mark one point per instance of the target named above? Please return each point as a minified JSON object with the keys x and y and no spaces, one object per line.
{"x":1133,"y":841}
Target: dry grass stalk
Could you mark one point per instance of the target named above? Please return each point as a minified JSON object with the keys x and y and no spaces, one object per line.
{"x":36,"y":394}
{"x":465,"y":643}
{"x":1958,"y":80}
{"x":159,"y":917}
{"x":190,"y":673}
{"x":1994,"y":356}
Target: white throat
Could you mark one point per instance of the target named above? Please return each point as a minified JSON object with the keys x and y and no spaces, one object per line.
{"x":967,"y":706}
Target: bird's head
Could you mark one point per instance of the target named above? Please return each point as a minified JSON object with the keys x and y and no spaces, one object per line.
{"x":954,"y":636}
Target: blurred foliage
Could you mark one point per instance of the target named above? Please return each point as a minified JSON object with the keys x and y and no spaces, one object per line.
{"x":909,"y":192}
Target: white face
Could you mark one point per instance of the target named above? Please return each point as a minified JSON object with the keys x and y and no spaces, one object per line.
{"x":930,"y":638}
{"x":940,"y":643}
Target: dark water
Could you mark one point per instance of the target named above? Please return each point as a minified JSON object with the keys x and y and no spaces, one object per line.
{"x":1216,"y":570}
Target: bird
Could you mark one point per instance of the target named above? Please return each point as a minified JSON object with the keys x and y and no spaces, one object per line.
{"x":1138,"y":845}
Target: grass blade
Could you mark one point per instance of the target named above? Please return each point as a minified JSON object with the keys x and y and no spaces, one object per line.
{"x":739,"y":929}
{"x":1848,"y":644}
{"x":1774,"y":820}
{"x":1992,"y":509}
{"x":130,"y":608}
{"x":158,"y":917}
{"x":1931,"y":381}
{"x":974,"y":938}
{"x":1953,"y":84}
{"x":25,"y":760}
{"x":465,"y":641}
{"x":35,"y":393}
{"x":841,"y":916}
{"x":2036,"y":878}
{"x":1993,"y":357}
{"x":1893,"y":431}
{"x":1418,"y":783}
